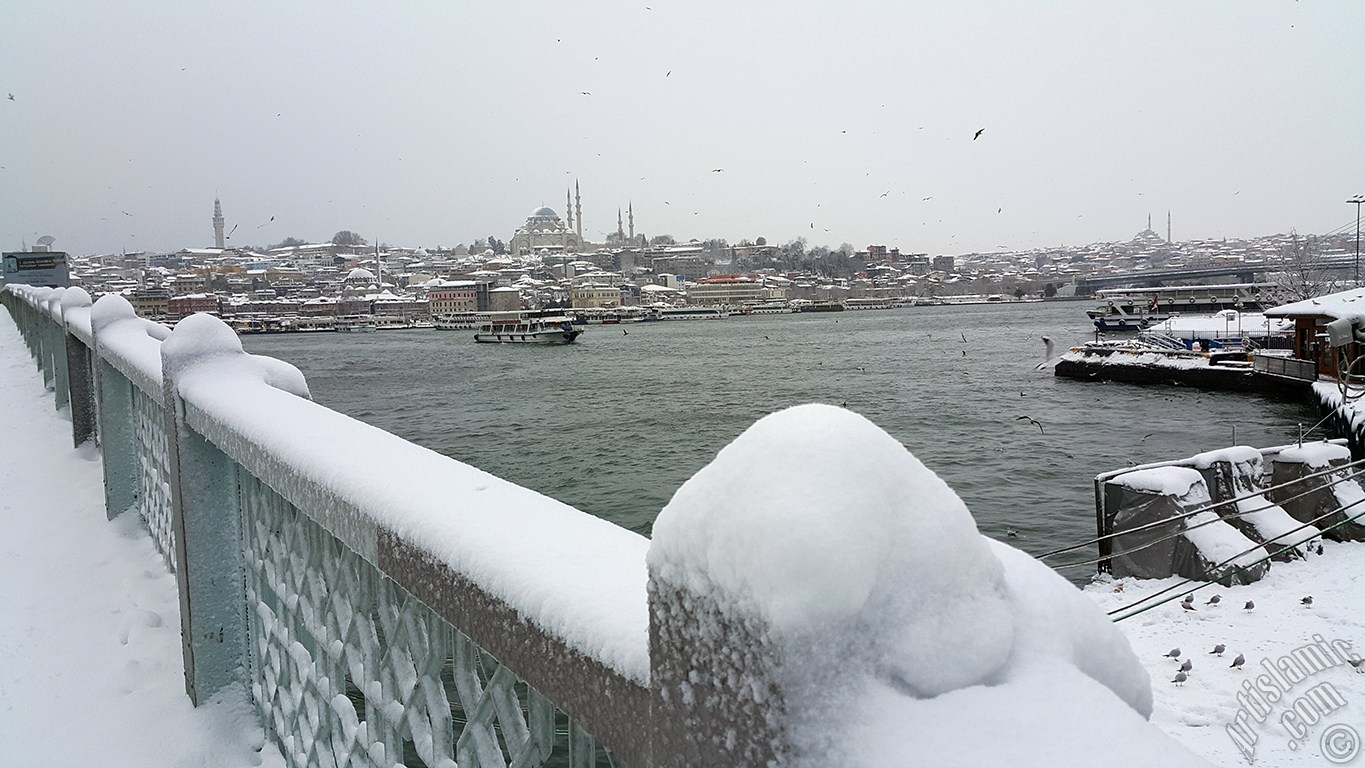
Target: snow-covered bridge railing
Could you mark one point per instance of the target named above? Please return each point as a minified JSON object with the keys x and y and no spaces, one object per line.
{"x":387,"y":605}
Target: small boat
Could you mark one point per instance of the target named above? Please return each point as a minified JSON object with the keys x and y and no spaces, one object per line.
{"x":819,"y":306}
{"x":535,"y":327}
{"x":355,"y":324}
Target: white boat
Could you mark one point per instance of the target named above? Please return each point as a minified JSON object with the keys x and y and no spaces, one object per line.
{"x":771,"y":308}
{"x":456,"y":321}
{"x":870,"y":303}
{"x":355,"y":324}
{"x":692,"y":313}
{"x":535,"y":327}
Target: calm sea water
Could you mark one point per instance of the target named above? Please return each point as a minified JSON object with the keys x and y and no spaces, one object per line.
{"x":615,"y":422}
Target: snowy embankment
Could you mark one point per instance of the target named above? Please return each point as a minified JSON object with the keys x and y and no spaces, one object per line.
{"x":90,"y":672}
{"x":1279,"y":632}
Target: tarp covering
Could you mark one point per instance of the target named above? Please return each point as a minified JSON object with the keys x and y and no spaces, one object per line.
{"x":1335,"y":503}
{"x":1237,"y":477}
{"x":1197,"y":547}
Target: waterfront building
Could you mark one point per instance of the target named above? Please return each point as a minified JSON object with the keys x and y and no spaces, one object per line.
{"x":504,"y":300}
{"x":449,"y":296}
{"x":152,"y":302}
{"x":183,"y":306}
{"x":726,"y":289}
{"x":593,"y":296}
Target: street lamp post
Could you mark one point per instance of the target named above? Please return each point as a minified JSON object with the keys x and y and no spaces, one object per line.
{"x":1358,"y":199}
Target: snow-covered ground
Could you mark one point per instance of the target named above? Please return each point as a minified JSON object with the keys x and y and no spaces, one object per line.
{"x":90,"y":666}
{"x":1198,"y":712}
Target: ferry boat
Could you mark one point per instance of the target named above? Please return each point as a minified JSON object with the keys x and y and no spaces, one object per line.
{"x":871,"y":303}
{"x":692,"y":313}
{"x":769,"y":308}
{"x":456,"y":321}
{"x":818,"y":306}
{"x":1132,"y":309}
{"x":533,"y":327}
{"x":355,"y":324}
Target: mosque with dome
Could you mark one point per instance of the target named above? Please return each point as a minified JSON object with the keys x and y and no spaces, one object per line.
{"x":544,"y":230}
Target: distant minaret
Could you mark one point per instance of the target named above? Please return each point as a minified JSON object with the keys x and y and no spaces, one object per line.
{"x":620,"y":229}
{"x":1168,"y":227}
{"x":1149,"y":222}
{"x":568,"y":207}
{"x":630,"y":211}
{"x":578,"y":213}
{"x":217,"y":224}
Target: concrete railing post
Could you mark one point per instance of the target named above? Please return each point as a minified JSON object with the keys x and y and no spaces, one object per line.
{"x":80,"y":377}
{"x":206,"y":519}
{"x":116,"y":417}
{"x":56,"y":347}
{"x":714,"y":692}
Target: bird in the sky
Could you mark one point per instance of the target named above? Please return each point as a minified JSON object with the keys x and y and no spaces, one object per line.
{"x":669,"y":72}
{"x":884,"y":194}
{"x":1048,"y":353}
{"x":931,"y":197}
{"x":1030,"y":419}
{"x":11,"y":97}
{"x":585,"y":93}
{"x":234,"y":229}
{"x":977,"y":135}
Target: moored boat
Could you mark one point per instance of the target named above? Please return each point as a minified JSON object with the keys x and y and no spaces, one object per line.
{"x":355,"y":324}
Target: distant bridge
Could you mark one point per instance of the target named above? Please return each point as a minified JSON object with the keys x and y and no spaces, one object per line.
{"x":1242,"y":273}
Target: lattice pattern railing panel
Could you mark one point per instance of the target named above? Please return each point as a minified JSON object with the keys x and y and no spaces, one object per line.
{"x":348,"y":669}
{"x":154,"y":499}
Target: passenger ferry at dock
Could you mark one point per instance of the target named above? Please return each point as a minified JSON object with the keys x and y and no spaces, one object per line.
{"x":355,"y":324}
{"x":456,"y":321}
{"x":693,"y":313}
{"x":1135,"y":309}
{"x":530,"y":327}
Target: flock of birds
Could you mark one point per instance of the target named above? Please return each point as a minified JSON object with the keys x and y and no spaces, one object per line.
{"x":1187,"y":666}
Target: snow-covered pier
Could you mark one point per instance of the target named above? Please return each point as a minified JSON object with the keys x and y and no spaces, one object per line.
{"x":855,"y":618}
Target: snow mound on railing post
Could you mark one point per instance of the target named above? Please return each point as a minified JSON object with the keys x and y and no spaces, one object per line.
{"x":829,"y":595}
{"x":202,"y":340}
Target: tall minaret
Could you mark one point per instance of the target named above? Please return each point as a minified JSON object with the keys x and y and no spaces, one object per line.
{"x":1149,"y":222}
{"x":217,"y":224}
{"x":620,"y":230}
{"x":630,"y":211}
{"x":578,"y":214}
{"x":568,"y":208}
{"x":1168,"y":226}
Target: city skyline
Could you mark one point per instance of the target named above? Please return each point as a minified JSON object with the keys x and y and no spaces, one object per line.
{"x":943,"y":130}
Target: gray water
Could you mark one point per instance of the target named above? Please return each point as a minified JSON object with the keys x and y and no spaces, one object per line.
{"x":615,"y":422}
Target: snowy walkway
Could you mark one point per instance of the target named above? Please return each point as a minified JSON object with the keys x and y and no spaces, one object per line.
{"x":1196,"y":713}
{"x":90,"y":668}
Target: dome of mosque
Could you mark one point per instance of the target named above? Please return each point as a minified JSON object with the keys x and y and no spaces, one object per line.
{"x":545,"y":212}
{"x":360,"y":274}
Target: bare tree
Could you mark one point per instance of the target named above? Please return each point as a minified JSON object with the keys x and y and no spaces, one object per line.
{"x":1303,"y":272}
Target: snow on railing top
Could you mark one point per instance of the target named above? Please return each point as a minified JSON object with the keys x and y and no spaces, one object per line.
{"x":890,"y":612}
{"x":75,"y":312}
{"x":130,"y":343}
{"x":575,"y":576}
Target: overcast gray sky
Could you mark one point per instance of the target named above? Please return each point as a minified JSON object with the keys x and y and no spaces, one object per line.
{"x":434,"y":123}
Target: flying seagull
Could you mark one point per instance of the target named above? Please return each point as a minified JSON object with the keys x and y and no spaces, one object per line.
{"x":1048,"y":353}
{"x":1030,"y":419}
{"x":585,"y":93}
{"x":977,"y":135}
{"x":11,"y":97}
{"x":717,"y":170}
